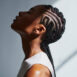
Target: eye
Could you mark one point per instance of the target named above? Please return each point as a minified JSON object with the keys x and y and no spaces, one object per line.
{"x":31,"y":9}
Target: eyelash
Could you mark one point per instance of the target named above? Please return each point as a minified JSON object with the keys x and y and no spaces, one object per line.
{"x":32,"y":9}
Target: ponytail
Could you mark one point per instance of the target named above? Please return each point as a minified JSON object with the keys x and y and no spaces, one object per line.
{"x":46,"y":49}
{"x":54,"y":22}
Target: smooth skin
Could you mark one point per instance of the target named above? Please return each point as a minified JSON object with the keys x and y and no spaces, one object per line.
{"x":31,"y":33}
{"x":38,"y":70}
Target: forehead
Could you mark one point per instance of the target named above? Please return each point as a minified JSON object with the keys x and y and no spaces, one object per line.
{"x":38,"y":9}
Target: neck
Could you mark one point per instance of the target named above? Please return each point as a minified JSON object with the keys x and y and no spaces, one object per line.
{"x":31,"y":48}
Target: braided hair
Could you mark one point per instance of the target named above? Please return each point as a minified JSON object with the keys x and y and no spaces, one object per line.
{"x":54,"y":22}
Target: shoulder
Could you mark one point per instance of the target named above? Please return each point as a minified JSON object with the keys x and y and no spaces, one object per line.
{"x":38,"y":70}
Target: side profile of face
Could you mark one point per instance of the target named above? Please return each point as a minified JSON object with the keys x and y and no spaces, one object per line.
{"x":38,"y":20}
{"x":26,"y":22}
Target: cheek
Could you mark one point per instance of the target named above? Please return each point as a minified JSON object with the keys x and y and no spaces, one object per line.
{"x":28,"y":30}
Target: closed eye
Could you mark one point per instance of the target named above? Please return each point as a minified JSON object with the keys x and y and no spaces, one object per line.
{"x":32,"y":9}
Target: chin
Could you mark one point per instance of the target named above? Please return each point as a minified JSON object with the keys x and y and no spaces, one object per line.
{"x":13,"y":27}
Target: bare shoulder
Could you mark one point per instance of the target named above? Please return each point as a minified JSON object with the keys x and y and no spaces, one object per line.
{"x":38,"y":70}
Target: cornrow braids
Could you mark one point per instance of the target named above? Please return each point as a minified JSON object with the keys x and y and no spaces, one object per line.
{"x":54,"y":22}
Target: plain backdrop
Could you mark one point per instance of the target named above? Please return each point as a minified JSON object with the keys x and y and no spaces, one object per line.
{"x":64,"y":51}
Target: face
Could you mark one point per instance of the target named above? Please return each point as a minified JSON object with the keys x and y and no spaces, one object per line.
{"x":26,"y":21}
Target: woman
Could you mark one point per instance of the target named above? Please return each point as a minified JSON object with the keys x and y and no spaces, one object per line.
{"x":39,"y":27}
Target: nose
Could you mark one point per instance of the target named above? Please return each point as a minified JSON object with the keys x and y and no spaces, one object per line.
{"x":22,"y":13}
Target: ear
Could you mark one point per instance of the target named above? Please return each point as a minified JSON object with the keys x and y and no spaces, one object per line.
{"x":39,"y":29}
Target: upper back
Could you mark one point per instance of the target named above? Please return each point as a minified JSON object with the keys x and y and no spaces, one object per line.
{"x":39,"y":61}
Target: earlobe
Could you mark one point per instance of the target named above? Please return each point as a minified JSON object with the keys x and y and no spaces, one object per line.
{"x":36,"y":31}
{"x":42,"y":29}
{"x":39,"y":29}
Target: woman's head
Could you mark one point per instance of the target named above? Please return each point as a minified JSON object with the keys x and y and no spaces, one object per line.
{"x":40,"y":20}
{"x":54,"y":22}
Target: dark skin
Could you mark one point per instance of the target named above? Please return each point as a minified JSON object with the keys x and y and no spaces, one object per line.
{"x":31,"y":34}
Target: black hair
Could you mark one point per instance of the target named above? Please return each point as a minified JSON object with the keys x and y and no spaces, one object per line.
{"x":55,"y":26}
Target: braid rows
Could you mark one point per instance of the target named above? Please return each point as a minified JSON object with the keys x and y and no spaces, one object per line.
{"x":53,"y":34}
